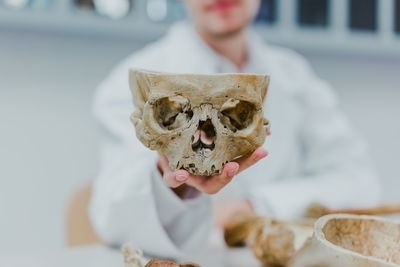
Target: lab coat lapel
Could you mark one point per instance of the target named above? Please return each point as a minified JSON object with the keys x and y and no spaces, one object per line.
{"x":187,"y":52}
{"x":279,"y":108}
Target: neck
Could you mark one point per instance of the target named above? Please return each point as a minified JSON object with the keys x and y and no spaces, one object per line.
{"x":233,"y":46}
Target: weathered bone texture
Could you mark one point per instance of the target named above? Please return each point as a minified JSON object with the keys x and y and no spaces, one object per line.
{"x":351,"y":240}
{"x":240,"y":226}
{"x":278,"y":241}
{"x":163,"y":263}
{"x":200,"y":122}
{"x":272,"y":241}
{"x":316,"y":210}
{"x":133,"y":257}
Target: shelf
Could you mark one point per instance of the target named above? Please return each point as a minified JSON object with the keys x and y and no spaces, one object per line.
{"x":335,"y":37}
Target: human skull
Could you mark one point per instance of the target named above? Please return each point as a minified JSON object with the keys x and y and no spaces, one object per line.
{"x":199,"y":122}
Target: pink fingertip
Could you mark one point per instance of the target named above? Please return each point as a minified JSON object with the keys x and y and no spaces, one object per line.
{"x":260,"y":153}
{"x":181,"y":175}
{"x":232,"y":168}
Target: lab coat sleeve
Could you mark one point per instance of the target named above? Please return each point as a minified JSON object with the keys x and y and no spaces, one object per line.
{"x":130,"y":202}
{"x":336,"y":168}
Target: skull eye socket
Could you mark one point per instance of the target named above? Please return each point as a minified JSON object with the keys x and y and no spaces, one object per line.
{"x":237,"y":114}
{"x":172,"y":112}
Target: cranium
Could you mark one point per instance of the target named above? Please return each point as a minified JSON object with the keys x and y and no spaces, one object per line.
{"x":200,"y":122}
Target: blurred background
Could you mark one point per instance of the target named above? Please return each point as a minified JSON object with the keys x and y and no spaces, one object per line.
{"x":53,"y":54}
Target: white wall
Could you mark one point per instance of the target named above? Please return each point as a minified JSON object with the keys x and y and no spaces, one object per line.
{"x":47,"y":135}
{"x":369,"y":90}
{"x":48,"y":138}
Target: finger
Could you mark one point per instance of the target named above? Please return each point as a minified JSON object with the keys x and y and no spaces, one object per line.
{"x":230,"y":170}
{"x":176,"y":179}
{"x":217,"y":182}
{"x":248,"y":161}
{"x":163,"y":162}
{"x":213,"y":184}
{"x":172,"y":179}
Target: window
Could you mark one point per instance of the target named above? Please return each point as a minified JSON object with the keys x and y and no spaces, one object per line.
{"x":84,"y":4}
{"x":312,"y":12}
{"x":397,"y":16}
{"x":362,"y":15}
{"x":165,"y":10}
{"x":267,"y":13}
{"x":116,"y":9}
{"x":176,"y":10}
{"x":16,"y":4}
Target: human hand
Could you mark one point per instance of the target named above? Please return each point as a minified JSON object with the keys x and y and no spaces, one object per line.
{"x":223,"y":211}
{"x":178,"y":180}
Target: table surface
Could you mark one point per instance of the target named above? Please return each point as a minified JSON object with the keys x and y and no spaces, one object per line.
{"x":216,"y":254}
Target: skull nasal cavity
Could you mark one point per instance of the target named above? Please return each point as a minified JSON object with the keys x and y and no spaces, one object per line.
{"x":204,"y":137}
{"x":207,"y":128}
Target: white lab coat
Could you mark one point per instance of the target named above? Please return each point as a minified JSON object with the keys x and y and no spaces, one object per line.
{"x":314,"y":153}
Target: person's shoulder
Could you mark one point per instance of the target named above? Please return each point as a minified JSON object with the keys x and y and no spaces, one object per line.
{"x":152,"y":56}
{"x":295,"y":75}
{"x":288,"y":60}
{"x":160,"y":54}
{"x":155,"y":56}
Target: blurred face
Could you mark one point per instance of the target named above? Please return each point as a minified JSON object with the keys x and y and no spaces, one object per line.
{"x":220,"y":18}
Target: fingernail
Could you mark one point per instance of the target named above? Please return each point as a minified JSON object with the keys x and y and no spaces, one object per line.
{"x":233,"y":172}
{"x":258,"y":157}
{"x":181,"y":177}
